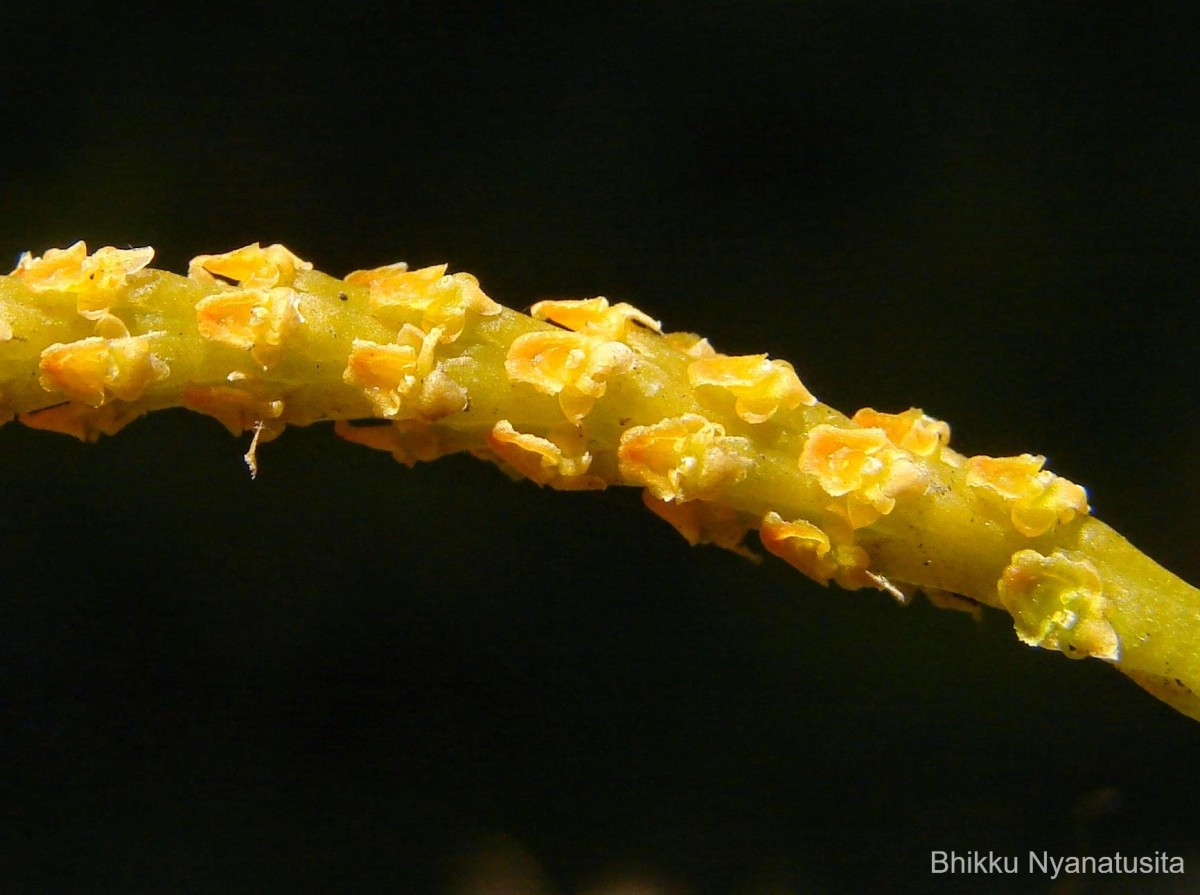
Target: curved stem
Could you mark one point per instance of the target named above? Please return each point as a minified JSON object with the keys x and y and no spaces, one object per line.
{"x":585,"y":395}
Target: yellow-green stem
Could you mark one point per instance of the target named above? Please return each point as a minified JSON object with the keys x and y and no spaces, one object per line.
{"x":722,"y":445}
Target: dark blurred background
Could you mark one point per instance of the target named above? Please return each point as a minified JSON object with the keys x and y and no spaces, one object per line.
{"x":352,"y":676}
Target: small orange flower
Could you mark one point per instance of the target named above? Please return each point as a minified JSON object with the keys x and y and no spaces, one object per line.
{"x":1040,"y":499}
{"x":701,"y":522}
{"x":1057,"y":602}
{"x":1011,"y":477}
{"x":375,"y":275}
{"x":760,"y":386}
{"x":83,"y":421}
{"x":387,"y":372}
{"x":806,"y":547}
{"x":73,"y":270}
{"x":93,"y":370}
{"x":861,"y":465}
{"x":574,"y":366}
{"x":250,"y":267}
{"x":257,"y":319}
{"x":443,"y":301}
{"x":691,"y":344}
{"x":593,"y":315}
{"x":912,"y":430}
{"x":236,"y":409}
{"x":683,"y":458}
{"x":403,"y":378}
{"x":93,"y":279}
{"x":560,"y":460}
{"x":408,"y":441}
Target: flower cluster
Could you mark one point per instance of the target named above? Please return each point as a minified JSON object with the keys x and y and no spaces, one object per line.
{"x":250,"y":267}
{"x":255,"y":319}
{"x":73,"y":270}
{"x":760,"y":387}
{"x":581,"y":395}
{"x":442,"y":300}
{"x":1057,"y":602}
{"x":594,"y":316}
{"x":90,"y":372}
{"x":408,"y":441}
{"x":808,"y":548}
{"x":560,"y":459}
{"x":701,"y":522}
{"x":94,"y":280}
{"x":575,"y":367}
{"x":403,"y":378}
{"x":577,"y":363}
{"x":95,"y":370}
{"x":1039,"y":498}
{"x":683,"y":458}
{"x":862,"y":466}
{"x":914,"y":430}
{"x":255,"y":306}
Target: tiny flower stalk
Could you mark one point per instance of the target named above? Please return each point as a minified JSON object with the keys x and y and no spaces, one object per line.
{"x":582,"y":395}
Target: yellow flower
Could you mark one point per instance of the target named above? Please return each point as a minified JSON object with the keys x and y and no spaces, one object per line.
{"x":759,"y":386}
{"x":691,"y":344}
{"x":93,"y":279}
{"x":806,"y":547}
{"x":1010,"y":477}
{"x":257,"y":319}
{"x":861,"y":465}
{"x":701,"y":522}
{"x":93,"y":370}
{"x":683,"y":458}
{"x":83,"y":421}
{"x":1040,"y":499}
{"x":73,"y":270}
{"x":593,"y":315}
{"x":560,"y":460}
{"x":403,"y":378}
{"x":237,"y":409}
{"x":443,"y":301}
{"x":574,"y":366}
{"x":912,"y":430}
{"x":387,"y":372}
{"x":250,"y":267}
{"x":408,"y":441}
{"x":1057,"y":602}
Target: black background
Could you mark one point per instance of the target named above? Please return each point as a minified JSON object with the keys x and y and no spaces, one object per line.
{"x":351,"y":676}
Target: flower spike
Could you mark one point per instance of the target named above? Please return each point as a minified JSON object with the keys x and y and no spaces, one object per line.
{"x":582,"y":395}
